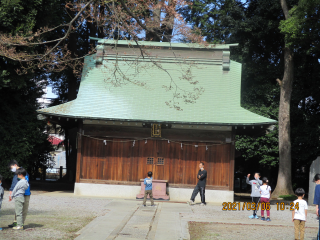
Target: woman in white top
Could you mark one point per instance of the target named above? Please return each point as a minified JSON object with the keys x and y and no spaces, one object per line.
{"x":265,"y":191}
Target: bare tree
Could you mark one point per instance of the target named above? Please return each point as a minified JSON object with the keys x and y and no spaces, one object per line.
{"x":130,"y":19}
{"x":133,"y":20}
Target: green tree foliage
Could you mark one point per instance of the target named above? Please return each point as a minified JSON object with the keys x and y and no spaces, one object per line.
{"x":22,"y":134}
{"x":263,"y":148}
{"x":15,"y":17}
{"x":301,"y":33}
{"x":65,"y":39}
{"x":302,"y":28}
{"x":255,"y":26}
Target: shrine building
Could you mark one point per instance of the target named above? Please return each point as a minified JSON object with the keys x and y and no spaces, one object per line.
{"x":160,"y":107}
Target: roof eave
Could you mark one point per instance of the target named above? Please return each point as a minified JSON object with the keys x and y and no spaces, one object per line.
{"x":157,"y":121}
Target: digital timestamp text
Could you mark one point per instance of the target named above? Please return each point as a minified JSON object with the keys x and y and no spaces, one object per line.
{"x":238,"y":206}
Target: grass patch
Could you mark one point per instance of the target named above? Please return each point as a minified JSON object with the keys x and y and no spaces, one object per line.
{"x":288,"y":197}
{"x":202,"y":231}
{"x":62,"y":225}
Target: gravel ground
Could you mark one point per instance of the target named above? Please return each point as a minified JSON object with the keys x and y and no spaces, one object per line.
{"x":214,"y":212}
{"x":237,"y":225}
{"x":51,"y":217}
{"x":204,"y":231}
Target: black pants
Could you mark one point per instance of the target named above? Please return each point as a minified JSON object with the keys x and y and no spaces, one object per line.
{"x":255,"y":200}
{"x":202,"y":193}
{"x":318,"y":235}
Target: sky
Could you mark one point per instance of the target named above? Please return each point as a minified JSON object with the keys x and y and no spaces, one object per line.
{"x":50,"y":94}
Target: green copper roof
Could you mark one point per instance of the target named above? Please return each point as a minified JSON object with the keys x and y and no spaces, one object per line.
{"x":114,"y":92}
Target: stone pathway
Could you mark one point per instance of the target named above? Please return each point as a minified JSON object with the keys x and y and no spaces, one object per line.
{"x":130,"y":220}
{"x":127,"y":219}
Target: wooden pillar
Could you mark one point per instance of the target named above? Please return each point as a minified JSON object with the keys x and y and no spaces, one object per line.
{"x":79,"y":151}
{"x":44,"y":172}
{"x":232,"y":155}
{"x":61,"y":170}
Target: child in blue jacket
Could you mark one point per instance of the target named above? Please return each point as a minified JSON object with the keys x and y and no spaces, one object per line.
{"x":148,"y":189}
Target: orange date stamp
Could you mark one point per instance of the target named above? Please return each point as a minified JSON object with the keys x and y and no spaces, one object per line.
{"x":289,"y":206}
{"x":238,"y":206}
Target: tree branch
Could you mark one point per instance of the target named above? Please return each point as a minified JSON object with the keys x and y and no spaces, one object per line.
{"x":285,"y":9}
{"x":133,"y":16}
{"x":35,"y":35}
{"x":279,"y":81}
{"x":137,"y":19}
{"x":69,"y":29}
{"x":59,"y":39}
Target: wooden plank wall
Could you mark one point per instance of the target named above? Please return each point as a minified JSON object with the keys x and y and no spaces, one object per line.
{"x":121,"y":161}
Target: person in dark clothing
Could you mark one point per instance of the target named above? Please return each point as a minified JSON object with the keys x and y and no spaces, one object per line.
{"x":200,"y":187}
{"x":316,"y":199}
{"x":1,"y":194}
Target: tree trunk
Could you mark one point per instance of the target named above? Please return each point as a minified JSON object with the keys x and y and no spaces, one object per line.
{"x":284,"y":184}
{"x":100,"y":27}
{"x":154,"y":36}
{"x":167,"y":28}
{"x":71,"y":135}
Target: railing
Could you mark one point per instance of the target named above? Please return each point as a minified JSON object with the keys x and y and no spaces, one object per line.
{"x":54,"y":173}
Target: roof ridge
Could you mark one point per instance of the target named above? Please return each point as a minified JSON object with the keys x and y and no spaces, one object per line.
{"x":134,"y":43}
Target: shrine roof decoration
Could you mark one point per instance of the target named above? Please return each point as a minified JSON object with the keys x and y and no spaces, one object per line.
{"x":160,"y":82}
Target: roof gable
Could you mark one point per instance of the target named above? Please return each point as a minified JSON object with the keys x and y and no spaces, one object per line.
{"x":174,"y":83}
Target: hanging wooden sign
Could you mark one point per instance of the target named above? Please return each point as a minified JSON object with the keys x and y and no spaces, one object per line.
{"x":156,"y":130}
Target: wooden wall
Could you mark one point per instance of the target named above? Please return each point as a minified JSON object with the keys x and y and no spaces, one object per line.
{"x":123,"y":162}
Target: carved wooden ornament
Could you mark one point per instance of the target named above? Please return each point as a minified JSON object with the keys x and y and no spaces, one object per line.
{"x":156,"y":130}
